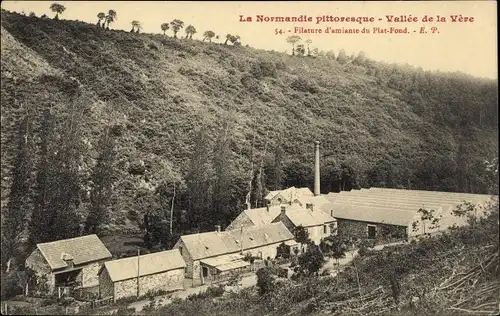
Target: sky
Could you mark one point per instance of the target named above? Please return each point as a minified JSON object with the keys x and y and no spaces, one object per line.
{"x":469,"y":47}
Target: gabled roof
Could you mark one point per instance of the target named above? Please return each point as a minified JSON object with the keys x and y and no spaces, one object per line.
{"x":211,"y":244}
{"x":317,"y":201}
{"x":83,"y":249}
{"x":153,"y":263}
{"x":290,"y":193}
{"x":382,"y":215}
{"x":262,"y":216}
{"x":226,"y":262}
{"x":261,"y":235}
{"x":300,"y":216}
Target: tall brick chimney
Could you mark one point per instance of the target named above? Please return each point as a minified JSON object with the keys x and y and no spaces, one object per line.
{"x":316,"y":169}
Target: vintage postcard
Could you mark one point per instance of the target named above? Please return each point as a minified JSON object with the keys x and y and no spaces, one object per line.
{"x":249,"y":158}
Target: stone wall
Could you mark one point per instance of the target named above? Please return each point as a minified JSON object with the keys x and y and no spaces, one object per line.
{"x":266,"y":251}
{"x":384,"y":233}
{"x":187,"y":258}
{"x":89,"y":273}
{"x":241,"y":220}
{"x":286,"y":221}
{"x":106,"y":286}
{"x":316,"y":233}
{"x":43,"y":272}
{"x":166,"y":281}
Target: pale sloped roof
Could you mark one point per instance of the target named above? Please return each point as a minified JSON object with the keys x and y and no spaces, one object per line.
{"x":211,"y":244}
{"x":227,"y":262}
{"x":153,"y":263}
{"x":258,"y":236}
{"x":383,"y":215}
{"x":84,"y":249}
{"x":305,"y":192}
{"x":291,"y":193}
{"x":317,"y":201}
{"x":261,"y":216}
{"x":300,"y":216}
{"x":271,"y":194}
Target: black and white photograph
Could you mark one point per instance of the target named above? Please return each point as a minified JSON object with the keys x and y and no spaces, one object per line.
{"x":273,"y":158}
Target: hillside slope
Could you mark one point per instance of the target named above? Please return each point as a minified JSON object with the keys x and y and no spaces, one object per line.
{"x":393,"y":125}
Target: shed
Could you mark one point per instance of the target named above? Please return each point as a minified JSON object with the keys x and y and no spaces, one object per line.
{"x":68,"y":263}
{"x":151,"y":273}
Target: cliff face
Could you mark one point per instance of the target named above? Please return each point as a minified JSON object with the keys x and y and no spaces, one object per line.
{"x":391,"y":124}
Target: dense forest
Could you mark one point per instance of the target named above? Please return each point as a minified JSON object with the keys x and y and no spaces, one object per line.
{"x":101,"y":127}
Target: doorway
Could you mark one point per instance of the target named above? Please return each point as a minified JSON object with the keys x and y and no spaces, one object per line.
{"x":372,"y":230}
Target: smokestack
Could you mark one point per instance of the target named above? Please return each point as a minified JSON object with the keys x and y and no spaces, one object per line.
{"x":316,"y":169}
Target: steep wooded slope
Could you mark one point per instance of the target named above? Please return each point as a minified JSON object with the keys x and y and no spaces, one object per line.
{"x":393,"y":125}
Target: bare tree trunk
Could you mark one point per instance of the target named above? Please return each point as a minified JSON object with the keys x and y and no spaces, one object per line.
{"x":172,"y":214}
{"x":261,"y":189}
{"x":357,"y":279}
{"x":249,"y":194}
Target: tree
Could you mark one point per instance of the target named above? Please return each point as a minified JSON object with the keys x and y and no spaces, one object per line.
{"x":360,"y":59}
{"x":110,"y":18}
{"x":235,"y":40}
{"x":335,"y":246}
{"x":228,"y":37}
{"x":277,"y":174}
{"x":223,"y":174}
{"x":190,"y":30}
{"x":176,"y":25}
{"x":260,"y":194}
{"x":209,"y":35}
{"x":101,"y":17}
{"x":426,"y":217}
{"x":301,"y":50}
{"x":342,"y":57}
{"x":198,"y":181}
{"x":65,"y":184}
{"x":293,"y":40}
{"x":308,"y":41}
{"x":330,"y":55}
{"x":311,"y":261}
{"x":156,"y":223}
{"x":18,"y":206}
{"x":165,"y":27}
{"x":58,"y":9}
{"x":101,"y":184}
{"x":302,"y":235}
{"x":265,"y":280}
{"x":42,"y":217}
{"x":136,"y":25}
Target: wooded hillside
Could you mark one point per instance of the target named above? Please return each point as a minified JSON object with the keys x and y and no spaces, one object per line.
{"x":151,"y":111}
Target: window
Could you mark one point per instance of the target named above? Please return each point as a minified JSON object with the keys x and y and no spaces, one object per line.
{"x":325,"y":229}
{"x":372,"y":230}
{"x":180,"y":250}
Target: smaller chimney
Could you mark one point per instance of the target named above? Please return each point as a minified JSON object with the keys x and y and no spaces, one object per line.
{"x":267,"y":207}
{"x":331,"y":213}
{"x":283,"y":209}
{"x":217,"y":228}
{"x":68,"y":259}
